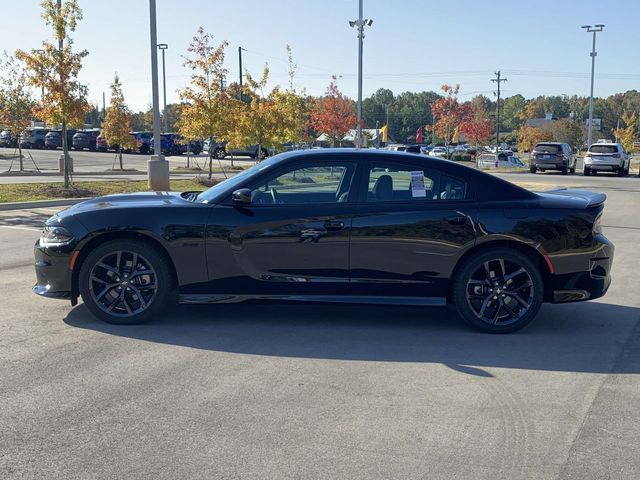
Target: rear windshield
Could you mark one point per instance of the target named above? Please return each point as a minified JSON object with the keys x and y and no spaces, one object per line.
{"x":546,"y":148}
{"x":604,"y":149}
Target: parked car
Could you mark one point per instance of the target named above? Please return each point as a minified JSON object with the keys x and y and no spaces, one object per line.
{"x":53,"y":139}
{"x":175,"y":144}
{"x":606,"y":157}
{"x":440,"y":152}
{"x":499,"y":160}
{"x":333,"y":225}
{"x":86,"y":139}
{"x":33,"y":137}
{"x":552,"y":156}
{"x":248,"y":151}
{"x":142,"y":141}
{"x":219,"y":150}
{"x":101,"y":144}
{"x":8,"y":139}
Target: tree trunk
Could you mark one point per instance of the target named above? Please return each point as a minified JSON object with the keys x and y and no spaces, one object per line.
{"x":120,"y":155}
{"x":211,"y":157}
{"x":20,"y":155}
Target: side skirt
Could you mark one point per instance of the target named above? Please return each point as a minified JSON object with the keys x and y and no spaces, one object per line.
{"x":187,"y":299}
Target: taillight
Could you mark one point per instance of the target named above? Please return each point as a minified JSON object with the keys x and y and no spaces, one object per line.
{"x":597,"y":226}
{"x":616,"y":155}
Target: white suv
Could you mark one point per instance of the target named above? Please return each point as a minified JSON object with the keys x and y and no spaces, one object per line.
{"x":606,"y":157}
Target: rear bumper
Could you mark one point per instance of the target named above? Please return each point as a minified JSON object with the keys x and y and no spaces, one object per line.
{"x":549,"y":164}
{"x":585,"y":285}
{"x":603,"y":167}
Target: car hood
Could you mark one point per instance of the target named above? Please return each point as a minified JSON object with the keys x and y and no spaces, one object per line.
{"x":566,"y":197}
{"x":127,"y":200}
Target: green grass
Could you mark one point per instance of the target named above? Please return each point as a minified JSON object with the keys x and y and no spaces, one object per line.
{"x":24,"y":192}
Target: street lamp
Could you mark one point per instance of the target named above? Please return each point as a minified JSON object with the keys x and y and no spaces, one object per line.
{"x":163,"y":47}
{"x":360,"y":24}
{"x":595,"y":29}
{"x":157,"y":167}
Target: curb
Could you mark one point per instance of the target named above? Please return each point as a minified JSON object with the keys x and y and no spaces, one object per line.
{"x":63,"y":202}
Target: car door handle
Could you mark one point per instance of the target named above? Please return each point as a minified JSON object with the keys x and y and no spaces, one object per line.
{"x":333,"y":226}
{"x":457,"y":220}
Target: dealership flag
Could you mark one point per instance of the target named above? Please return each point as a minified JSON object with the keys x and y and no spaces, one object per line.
{"x":419,"y":135}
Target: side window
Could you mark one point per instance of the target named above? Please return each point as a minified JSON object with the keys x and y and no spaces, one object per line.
{"x":401,"y":184}
{"x":311,"y":184}
{"x":452,"y":188}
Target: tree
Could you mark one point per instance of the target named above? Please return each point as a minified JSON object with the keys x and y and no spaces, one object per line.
{"x":16,"y":103}
{"x":512,"y":109}
{"x":208,"y":109}
{"x":627,"y":134}
{"x":56,"y":71}
{"x":117,"y":122}
{"x":477,"y":129}
{"x":334,"y":114}
{"x":529,"y":136}
{"x":567,"y":131}
{"x":449,"y":114}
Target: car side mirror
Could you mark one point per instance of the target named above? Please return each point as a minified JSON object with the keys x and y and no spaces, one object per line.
{"x":574,"y":150}
{"x":242,"y":195}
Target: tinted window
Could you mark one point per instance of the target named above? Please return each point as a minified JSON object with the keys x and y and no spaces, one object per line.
{"x":548,"y":148}
{"x":311,"y":184}
{"x":604,"y":149}
{"x":406,"y":184}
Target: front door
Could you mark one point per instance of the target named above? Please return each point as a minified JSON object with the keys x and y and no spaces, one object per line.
{"x":411,"y":227}
{"x":292,"y":239}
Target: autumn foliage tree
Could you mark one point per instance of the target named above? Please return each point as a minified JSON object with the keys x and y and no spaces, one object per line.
{"x":477,"y":128}
{"x":117,"y":122}
{"x":626,"y":135}
{"x":448,"y":114}
{"x":16,"y":103}
{"x":334,"y":114}
{"x":55,"y":69}
{"x":208,"y":109}
{"x":529,"y":136}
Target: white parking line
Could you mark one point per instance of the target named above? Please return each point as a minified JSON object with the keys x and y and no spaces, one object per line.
{"x":13,"y":227}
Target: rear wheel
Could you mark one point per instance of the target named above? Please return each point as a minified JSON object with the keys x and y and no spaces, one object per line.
{"x":532,"y":169}
{"x":220,"y":153}
{"x":564,"y":171}
{"x":586,"y":172}
{"x":498,"y":291}
{"x":144,"y":149}
{"x":125,"y":281}
{"x":621,"y":171}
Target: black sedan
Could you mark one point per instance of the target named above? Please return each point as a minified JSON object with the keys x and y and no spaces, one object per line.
{"x":368,"y":226}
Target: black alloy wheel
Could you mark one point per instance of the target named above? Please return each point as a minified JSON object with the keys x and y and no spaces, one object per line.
{"x":125,"y":282}
{"x":498,"y":291}
{"x":220,"y":153}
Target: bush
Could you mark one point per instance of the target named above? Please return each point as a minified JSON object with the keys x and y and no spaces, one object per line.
{"x":461,"y":157}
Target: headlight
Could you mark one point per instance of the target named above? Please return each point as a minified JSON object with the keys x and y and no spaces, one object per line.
{"x":52,"y":235}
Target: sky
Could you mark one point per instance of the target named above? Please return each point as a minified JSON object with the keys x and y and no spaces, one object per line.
{"x":412,"y":45}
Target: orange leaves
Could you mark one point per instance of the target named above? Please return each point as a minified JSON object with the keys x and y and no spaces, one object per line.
{"x":449,"y":114}
{"x":333,"y":114}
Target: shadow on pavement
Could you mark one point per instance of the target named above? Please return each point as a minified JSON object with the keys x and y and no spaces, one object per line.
{"x":585,"y":337}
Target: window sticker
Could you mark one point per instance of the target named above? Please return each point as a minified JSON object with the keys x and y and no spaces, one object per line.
{"x":417,"y":184}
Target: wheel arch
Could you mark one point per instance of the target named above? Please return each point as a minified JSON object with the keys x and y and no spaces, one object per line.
{"x":528,"y":250}
{"x":102,"y":238}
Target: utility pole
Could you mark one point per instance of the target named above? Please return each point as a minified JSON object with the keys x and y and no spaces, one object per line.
{"x":594,"y":30}
{"x":359,"y":24}
{"x":240,"y":49}
{"x":157,"y":166}
{"x":498,"y":80}
{"x":163,"y":47}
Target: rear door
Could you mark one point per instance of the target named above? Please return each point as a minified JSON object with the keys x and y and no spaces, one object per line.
{"x":411,"y":226}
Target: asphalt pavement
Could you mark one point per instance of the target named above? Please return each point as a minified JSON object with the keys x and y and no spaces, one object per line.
{"x":282,"y":391}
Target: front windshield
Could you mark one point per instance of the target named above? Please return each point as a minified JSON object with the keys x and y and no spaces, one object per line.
{"x":234,"y":182}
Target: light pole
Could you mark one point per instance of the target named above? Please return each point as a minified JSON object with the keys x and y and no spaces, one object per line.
{"x":163,"y":47}
{"x":157,"y":166}
{"x":359,"y":24}
{"x":240,"y":49}
{"x":595,"y":29}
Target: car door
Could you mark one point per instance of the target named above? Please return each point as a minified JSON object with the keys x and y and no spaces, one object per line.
{"x":411,"y":226}
{"x":292,"y":238}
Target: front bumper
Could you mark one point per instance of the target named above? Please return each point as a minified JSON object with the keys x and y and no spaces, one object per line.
{"x":53,"y":275}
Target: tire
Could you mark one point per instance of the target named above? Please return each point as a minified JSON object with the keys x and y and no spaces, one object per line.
{"x":121,"y":304}
{"x":220,"y":153}
{"x":620,"y":171}
{"x":262,"y":155}
{"x":39,"y":145}
{"x":144,"y":149}
{"x":498,"y":290}
{"x":564,"y":171}
{"x":586,"y":172}
{"x":175,"y":150}
{"x":542,"y":170}
{"x":532,"y":169}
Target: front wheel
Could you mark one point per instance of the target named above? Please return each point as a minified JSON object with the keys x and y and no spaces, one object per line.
{"x":125,"y":282}
{"x":532,"y":169}
{"x":498,"y":290}
{"x":220,"y":153}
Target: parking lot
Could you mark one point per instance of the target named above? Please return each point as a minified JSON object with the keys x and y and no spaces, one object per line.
{"x":277,"y":390}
